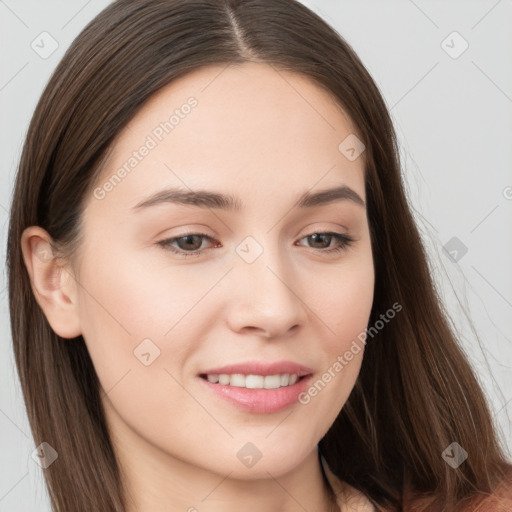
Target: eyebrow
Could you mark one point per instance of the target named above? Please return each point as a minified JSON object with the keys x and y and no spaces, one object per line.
{"x":219,"y":201}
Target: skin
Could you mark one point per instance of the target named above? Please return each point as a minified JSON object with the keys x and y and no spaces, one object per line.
{"x":265,"y":137}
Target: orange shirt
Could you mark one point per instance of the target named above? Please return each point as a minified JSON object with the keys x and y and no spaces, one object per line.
{"x":350,"y":499}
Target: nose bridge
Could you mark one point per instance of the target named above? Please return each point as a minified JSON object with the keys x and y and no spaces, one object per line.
{"x":262,"y":264}
{"x":266,"y":297}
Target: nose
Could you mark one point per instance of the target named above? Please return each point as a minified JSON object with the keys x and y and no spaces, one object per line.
{"x":265,"y":298}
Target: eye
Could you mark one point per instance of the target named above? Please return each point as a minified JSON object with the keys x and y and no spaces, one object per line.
{"x":189,"y":244}
{"x":325,"y":238}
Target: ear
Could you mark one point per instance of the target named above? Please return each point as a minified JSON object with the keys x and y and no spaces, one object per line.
{"x":54,"y":286}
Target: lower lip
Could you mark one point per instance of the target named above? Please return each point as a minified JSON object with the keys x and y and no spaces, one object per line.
{"x":262,"y":401}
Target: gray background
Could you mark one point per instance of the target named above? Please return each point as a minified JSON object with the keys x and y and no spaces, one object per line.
{"x":452,"y":111}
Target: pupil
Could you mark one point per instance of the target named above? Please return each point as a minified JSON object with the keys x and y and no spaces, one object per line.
{"x":317,"y":235}
{"x":189,"y":240}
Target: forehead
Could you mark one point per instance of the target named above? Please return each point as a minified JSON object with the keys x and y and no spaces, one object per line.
{"x":251,"y":125}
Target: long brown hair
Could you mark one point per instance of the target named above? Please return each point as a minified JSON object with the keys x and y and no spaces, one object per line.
{"x":416,"y":392}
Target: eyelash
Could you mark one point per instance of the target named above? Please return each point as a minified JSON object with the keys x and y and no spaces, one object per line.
{"x":345,"y":242}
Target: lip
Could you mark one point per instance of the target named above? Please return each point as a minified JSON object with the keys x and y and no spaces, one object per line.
{"x":261,"y":401}
{"x":260,"y":368}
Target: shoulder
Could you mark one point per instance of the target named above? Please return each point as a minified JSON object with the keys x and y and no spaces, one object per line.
{"x":348,"y":498}
{"x":499,"y":501}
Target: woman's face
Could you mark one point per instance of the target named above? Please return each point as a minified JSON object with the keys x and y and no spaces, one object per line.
{"x":257,"y":286}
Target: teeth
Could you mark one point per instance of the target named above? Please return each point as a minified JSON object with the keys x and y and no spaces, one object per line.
{"x":237,"y":380}
{"x":253,"y":381}
{"x":224,"y":379}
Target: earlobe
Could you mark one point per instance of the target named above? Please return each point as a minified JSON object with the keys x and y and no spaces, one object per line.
{"x":53,"y":285}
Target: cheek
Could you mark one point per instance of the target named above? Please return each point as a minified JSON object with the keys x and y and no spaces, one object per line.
{"x":125,"y":317}
{"x":131,"y":299}
{"x":344,"y":301}
{"x":344,"y":308}
{"x":137,"y":328}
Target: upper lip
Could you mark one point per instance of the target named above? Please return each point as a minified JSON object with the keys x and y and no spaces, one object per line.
{"x":261,"y":368}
